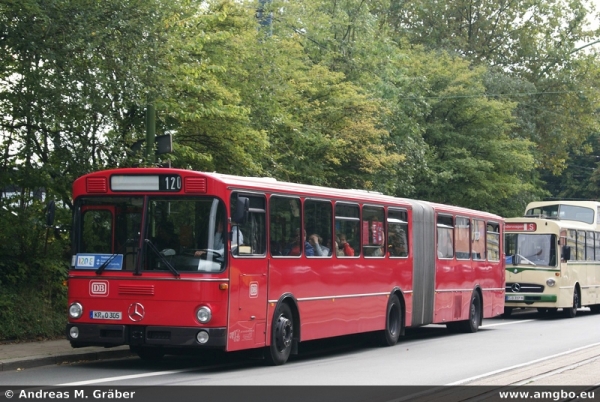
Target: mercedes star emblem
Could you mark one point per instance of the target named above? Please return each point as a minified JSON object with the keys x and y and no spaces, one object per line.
{"x":136,"y":312}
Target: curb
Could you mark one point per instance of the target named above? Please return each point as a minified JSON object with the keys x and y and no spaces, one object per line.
{"x":31,"y":362}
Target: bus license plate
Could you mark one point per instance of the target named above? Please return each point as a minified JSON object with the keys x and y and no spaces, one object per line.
{"x":515,"y":298}
{"x":105,"y":315}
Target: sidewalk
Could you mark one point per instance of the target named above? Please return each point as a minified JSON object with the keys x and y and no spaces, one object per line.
{"x":15,"y":356}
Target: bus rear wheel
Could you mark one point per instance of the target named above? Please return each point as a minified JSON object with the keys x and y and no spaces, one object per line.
{"x":472,"y":324}
{"x":282,"y":335}
{"x":393,"y":323}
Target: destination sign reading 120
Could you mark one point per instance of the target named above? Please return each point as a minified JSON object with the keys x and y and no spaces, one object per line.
{"x":158,"y":182}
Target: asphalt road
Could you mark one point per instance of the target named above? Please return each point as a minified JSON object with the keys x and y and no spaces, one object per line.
{"x":523,"y":349}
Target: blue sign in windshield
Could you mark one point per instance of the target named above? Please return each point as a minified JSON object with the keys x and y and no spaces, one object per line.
{"x":94,"y":261}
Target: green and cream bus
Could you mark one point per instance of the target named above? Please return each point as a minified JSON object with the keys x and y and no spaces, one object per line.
{"x":553,"y":258}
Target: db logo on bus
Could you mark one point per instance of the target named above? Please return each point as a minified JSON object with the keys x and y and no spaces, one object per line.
{"x":98,"y":288}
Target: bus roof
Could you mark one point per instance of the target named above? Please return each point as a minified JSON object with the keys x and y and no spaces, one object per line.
{"x":272,"y":185}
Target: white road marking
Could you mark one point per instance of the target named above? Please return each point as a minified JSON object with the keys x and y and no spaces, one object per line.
{"x":466,"y":380}
{"x":505,"y":323}
{"x":125,"y":377}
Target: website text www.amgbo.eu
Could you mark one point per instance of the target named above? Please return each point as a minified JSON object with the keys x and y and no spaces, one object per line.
{"x":548,"y":395}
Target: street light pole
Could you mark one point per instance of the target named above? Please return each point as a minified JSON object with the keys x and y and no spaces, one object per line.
{"x":584,"y":46}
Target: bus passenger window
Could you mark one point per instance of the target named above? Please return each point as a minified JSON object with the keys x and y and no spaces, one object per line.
{"x":493,"y":241}
{"x":589,"y":246}
{"x":462,"y":238}
{"x":284,"y":226}
{"x":397,"y":233}
{"x":347,"y":230}
{"x":250,"y":236}
{"x":478,"y":240}
{"x":373,"y":232}
{"x":317,"y":228}
{"x":445,"y":237}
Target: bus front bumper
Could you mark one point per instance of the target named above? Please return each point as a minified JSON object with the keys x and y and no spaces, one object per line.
{"x":521,"y":300}
{"x":134,"y":335}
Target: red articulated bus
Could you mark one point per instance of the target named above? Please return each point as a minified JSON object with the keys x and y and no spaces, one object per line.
{"x":168,"y":260}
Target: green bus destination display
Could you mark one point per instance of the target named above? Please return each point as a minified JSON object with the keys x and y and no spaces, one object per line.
{"x":158,"y":182}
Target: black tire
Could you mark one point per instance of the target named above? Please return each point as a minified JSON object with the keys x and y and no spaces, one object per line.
{"x":282,"y":336}
{"x":472,"y":324}
{"x":507,"y":312}
{"x":393,"y":323}
{"x":148,"y":354}
{"x":572,"y":311}
{"x":595,"y":308}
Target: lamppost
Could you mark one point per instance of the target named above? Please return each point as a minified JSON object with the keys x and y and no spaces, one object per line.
{"x":584,"y":46}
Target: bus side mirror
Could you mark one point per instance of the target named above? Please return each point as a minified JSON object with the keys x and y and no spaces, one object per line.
{"x":566,"y":253}
{"x":241,"y":210}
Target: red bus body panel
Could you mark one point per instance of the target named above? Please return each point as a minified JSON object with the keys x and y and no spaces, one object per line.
{"x":334,"y":296}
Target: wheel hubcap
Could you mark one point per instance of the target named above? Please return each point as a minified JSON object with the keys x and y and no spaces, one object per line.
{"x":283,"y":333}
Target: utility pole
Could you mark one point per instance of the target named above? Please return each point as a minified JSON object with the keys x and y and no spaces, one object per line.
{"x":150,"y":132}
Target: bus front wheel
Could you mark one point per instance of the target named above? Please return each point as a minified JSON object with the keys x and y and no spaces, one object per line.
{"x":282,"y":335}
{"x":393,"y":323}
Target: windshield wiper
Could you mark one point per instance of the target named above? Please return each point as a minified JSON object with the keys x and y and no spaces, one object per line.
{"x":162,"y":258}
{"x":102,"y":267}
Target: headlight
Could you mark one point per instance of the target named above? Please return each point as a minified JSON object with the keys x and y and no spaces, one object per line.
{"x":550,"y":282}
{"x":203,"y":314}
{"x":75,"y":310}
{"x":202,"y":337}
{"x":74,"y":332}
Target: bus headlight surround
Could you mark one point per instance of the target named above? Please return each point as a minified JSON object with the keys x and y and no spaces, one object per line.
{"x":75,"y":310}
{"x":74,"y":332}
{"x":550,"y":282}
{"x":202,"y":337}
{"x":203,"y":314}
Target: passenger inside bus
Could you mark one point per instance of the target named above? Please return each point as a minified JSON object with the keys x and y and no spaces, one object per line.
{"x":345,"y":247}
{"x":316,"y":242}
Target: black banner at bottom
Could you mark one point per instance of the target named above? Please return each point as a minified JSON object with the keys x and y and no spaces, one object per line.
{"x":300,"y":393}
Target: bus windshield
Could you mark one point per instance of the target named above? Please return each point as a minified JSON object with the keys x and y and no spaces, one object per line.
{"x":176,"y":234}
{"x":531,"y":249}
{"x":563,"y":212}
